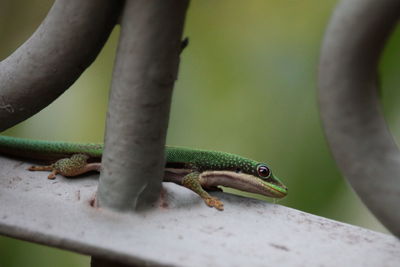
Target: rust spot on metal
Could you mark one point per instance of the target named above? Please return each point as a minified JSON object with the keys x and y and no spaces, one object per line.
{"x":163,"y":202}
{"x":92,"y":202}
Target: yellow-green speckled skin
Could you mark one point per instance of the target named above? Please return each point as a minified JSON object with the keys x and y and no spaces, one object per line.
{"x":203,"y":160}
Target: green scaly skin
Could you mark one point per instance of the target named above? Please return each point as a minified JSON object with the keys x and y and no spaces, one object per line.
{"x":193,"y":168}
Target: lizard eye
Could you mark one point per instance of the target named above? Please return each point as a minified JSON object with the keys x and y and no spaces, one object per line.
{"x":263,"y":171}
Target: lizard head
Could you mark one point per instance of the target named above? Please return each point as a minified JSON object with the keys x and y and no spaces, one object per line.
{"x":248,"y":176}
{"x":270,"y":184}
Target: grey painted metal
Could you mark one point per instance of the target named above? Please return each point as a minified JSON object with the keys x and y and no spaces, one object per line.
{"x":356,"y":130}
{"x":181,"y":230}
{"x":138,"y":112}
{"x":63,"y":46}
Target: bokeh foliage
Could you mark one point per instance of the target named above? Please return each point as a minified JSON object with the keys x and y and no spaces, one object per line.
{"x":247,"y":85}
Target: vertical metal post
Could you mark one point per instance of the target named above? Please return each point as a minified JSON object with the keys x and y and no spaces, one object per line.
{"x":137,"y":119}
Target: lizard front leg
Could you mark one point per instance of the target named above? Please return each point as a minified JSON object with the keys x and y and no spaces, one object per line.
{"x":192,"y":182}
{"x":75,"y":165}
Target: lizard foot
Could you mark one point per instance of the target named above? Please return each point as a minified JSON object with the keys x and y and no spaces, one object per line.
{"x":214,"y":202}
{"x":69,"y":167}
{"x":51,"y":176}
{"x":192,"y":182}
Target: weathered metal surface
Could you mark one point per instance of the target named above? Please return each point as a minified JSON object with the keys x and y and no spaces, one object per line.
{"x":357,"y":132}
{"x":180,"y":230}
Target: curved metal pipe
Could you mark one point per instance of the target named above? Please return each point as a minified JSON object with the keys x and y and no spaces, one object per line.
{"x":356,"y":130}
{"x":63,"y":46}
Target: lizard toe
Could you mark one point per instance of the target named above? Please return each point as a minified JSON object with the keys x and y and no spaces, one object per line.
{"x":215,"y":203}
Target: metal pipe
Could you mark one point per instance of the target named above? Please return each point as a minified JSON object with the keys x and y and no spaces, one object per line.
{"x":356,"y":130}
{"x":57,"y":53}
{"x":145,"y":71}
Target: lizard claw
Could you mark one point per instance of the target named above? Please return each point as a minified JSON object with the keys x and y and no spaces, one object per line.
{"x":214,"y":202}
{"x":52,"y":175}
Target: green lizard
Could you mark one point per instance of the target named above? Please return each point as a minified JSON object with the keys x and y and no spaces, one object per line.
{"x":192,"y":168}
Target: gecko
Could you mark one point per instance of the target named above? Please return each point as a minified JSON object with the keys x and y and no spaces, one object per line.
{"x":196,"y":169}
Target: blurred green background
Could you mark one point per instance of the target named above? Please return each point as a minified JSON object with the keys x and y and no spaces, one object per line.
{"x":247,"y":85}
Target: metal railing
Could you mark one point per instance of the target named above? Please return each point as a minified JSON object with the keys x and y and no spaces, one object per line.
{"x":118,"y":220}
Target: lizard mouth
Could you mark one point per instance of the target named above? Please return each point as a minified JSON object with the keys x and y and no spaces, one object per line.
{"x":243,"y":182}
{"x":278,"y":191}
